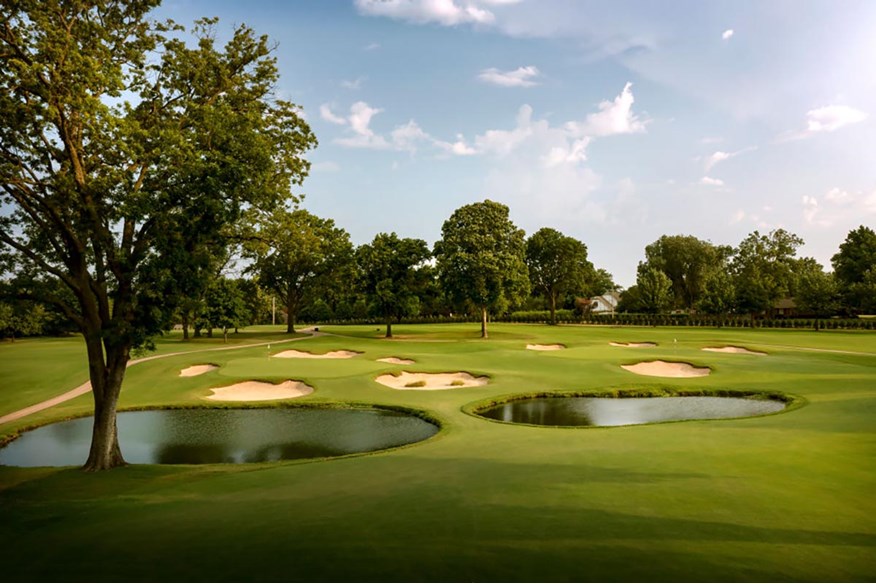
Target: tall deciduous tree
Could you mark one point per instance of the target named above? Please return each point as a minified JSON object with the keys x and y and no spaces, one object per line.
{"x":687,"y":261}
{"x":117,"y":140}
{"x":224,"y":306}
{"x":654,"y":288}
{"x":557,"y":265}
{"x":480,"y":258}
{"x":298,"y":255}
{"x":763,"y":269}
{"x":816,"y":291}
{"x":855,"y":268}
{"x":388,"y":272}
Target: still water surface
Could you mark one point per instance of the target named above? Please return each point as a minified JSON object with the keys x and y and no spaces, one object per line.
{"x":209,"y":436}
{"x":607,"y":411}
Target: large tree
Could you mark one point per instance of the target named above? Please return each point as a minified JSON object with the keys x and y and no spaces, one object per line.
{"x":557,"y":265}
{"x":654,"y":288}
{"x":480,"y":258}
{"x":816,"y":290}
{"x":389,"y":275}
{"x":298,"y":256}
{"x":118,"y":143}
{"x":687,"y":261}
{"x":855,"y":268}
{"x":764,"y":269}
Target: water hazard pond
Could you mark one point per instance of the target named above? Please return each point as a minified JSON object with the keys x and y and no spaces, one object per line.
{"x":609,"y":411}
{"x":206,"y":436}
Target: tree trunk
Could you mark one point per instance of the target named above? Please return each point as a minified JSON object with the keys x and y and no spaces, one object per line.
{"x":290,"y":315}
{"x":185,"y":325}
{"x":210,"y":332}
{"x":484,"y":322}
{"x":106,"y":385}
{"x":225,"y":335}
{"x":553,"y":308}
{"x":389,"y":328}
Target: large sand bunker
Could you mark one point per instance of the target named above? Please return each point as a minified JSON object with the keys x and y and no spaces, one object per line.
{"x":260,"y":391}
{"x":429,"y":381}
{"x":397,"y":361}
{"x":633,"y":345}
{"x":731,"y":349}
{"x":545,"y":347}
{"x":198,"y":370}
{"x":667,"y":369}
{"x":293,"y":354}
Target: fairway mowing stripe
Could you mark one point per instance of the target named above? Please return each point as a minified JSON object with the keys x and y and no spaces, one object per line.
{"x":86,"y":387}
{"x":820,"y":350}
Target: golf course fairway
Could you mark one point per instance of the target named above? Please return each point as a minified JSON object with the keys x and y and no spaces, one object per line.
{"x":789,"y":496}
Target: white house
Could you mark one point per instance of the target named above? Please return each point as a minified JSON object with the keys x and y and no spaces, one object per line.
{"x":604,"y":303}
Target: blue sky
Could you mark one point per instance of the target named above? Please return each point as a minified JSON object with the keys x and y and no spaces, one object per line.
{"x":614,"y":122}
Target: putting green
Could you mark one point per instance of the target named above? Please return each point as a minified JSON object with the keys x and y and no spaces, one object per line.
{"x":781,"y":497}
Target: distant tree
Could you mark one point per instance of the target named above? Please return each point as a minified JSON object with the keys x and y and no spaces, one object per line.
{"x":855,"y":268}
{"x":719,"y":294}
{"x":480,"y":259}
{"x":601,"y":282}
{"x":631,"y":300}
{"x":115,"y":132}
{"x":22,"y":318}
{"x":654,"y":289}
{"x":763,"y":270}
{"x":297,"y":256}
{"x":557,"y":265}
{"x":687,"y":261}
{"x":257,"y":302}
{"x":388,"y":273}
{"x":224,"y":306}
{"x":817,"y":291}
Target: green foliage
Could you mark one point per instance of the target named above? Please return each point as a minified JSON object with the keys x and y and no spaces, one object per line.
{"x":224,"y":305}
{"x":719,"y":293}
{"x":480,"y":258}
{"x":855,"y":268}
{"x":557,"y":265}
{"x":763,"y":269}
{"x":654,"y":289}
{"x":389,"y":276}
{"x":297,"y":256}
{"x":687,"y":261}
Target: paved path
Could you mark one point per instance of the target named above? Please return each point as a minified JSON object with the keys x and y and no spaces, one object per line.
{"x":86,"y":387}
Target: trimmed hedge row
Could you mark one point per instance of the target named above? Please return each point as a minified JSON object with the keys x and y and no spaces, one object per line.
{"x":626,"y":319}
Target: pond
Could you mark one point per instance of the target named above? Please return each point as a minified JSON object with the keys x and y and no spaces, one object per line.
{"x":608,"y":411}
{"x":207,"y":436}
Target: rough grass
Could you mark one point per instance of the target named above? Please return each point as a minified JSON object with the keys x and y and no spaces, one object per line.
{"x":773,"y":498}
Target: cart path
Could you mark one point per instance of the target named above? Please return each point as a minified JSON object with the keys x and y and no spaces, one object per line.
{"x":86,"y":387}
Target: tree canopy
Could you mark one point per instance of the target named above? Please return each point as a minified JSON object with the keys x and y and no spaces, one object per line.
{"x":687,"y":261}
{"x":118,"y":143}
{"x":387,"y":269}
{"x":297,"y":255}
{"x":480,"y":258}
{"x":557,"y":265}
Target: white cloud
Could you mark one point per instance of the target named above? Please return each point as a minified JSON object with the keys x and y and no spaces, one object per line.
{"x":371,"y":46}
{"x":826,"y":119}
{"x":502,"y":142}
{"x":721,"y":156}
{"x":738,"y":216}
{"x":613,"y":117}
{"x":445,"y":12}
{"x":839,"y":207}
{"x":359,"y":121}
{"x":712,"y":182}
{"x":727,"y":34}
{"x":407,"y":137}
{"x":832,"y":117}
{"x":575,"y":153}
{"x":459,"y":148}
{"x":520,"y":77}
{"x":354,"y":84}
{"x":325,"y":112}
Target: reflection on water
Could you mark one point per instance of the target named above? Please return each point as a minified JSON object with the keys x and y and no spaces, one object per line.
{"x":607,"y":411}
{"x":214,"y":436}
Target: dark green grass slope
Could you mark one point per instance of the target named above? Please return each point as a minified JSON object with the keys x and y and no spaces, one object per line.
{"x":775,"y":498}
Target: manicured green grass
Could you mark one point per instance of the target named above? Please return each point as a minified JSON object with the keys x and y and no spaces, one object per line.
{"x":781,"y":497}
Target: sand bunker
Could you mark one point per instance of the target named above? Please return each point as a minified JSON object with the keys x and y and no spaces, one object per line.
{"x":397,"y":361}
{"x":292,"y":354}
{"x":429,"y":381}
{"x":545,"y":347}
{"x":741,"y":350}
{"x":260,"y":391}
{"x":634,"y":345}
{"x":667,"y":369}
{"x":197,"y":370}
